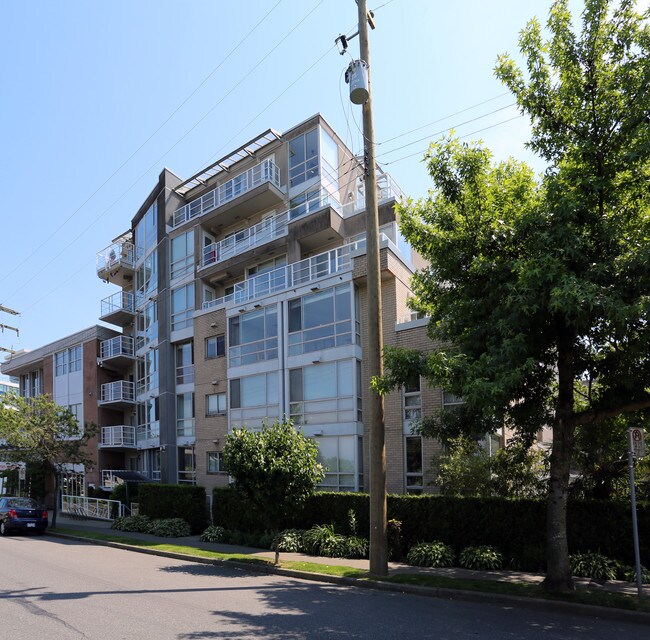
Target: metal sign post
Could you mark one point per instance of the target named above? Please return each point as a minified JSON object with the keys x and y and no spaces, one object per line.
{"x":635,"y":449}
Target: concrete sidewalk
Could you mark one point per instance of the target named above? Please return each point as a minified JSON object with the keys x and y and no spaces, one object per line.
{"x":394,"y":568}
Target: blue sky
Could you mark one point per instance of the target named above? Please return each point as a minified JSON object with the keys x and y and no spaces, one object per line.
{"x":98,"y":97}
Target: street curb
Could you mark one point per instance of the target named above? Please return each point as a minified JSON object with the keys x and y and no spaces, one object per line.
{"x":536,"y":604}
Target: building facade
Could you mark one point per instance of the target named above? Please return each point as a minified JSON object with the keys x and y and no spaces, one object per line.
{"x":241,"y":299}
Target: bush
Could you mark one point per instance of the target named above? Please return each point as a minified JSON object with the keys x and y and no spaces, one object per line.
{"x":140,"y":524}
{"x":170,"y":528}
{"x":629,"y":574}
{"x":354,"y":547}
{"x":260,"y":540}
{"x":394,"y":539}
{"x":593,"y":565}
{"x":213,"y":534}
{"x":187,"y":502}
{"x":289,"y":541}
{"x":321,"y":540}
{"x":431,"y":554}
{"x":481,"y":558}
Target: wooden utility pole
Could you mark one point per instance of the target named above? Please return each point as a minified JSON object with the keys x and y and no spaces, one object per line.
{"x":375,"y":411}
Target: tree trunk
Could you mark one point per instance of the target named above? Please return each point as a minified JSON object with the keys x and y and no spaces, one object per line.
{"x":558,"y":575}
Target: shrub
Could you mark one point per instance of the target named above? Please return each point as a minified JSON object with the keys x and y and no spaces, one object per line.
{"x":354,"y":547}
{"x":170,"y":528}
{"x":174,"y":501}
{"x":431,"y":554}
{"x":629,"y":574}
{"x":394,"y":539}
{"x":593,"y":565}
{"x":260,"y":540}
{"x":289,"y":540}
{"x":213,"y":534}
{"x":321,"y":540}
{"x":481,"y":558}
{"x":140,"y":524}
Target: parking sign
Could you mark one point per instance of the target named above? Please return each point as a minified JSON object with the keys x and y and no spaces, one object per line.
{"x":637,"y":444}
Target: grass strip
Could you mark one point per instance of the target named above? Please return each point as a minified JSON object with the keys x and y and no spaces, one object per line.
{"x":581,"y":596}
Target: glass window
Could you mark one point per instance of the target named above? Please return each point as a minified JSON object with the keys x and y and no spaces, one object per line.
{"x":303,"y":158}
{"x":414,"y":476}
{"x":185,"y":415}
{"x":215,"y":404}
{"x":338,"y":456}
{"x":253,"y":337}
{"x":186,"y":465}
{"x":61,"y":363}
{"x":324,"y":393}
{"x":146,"y":279}
{"x":148,"y":372}
{"x":254,"y":399}
{"x":146,"y":231}
{"x":184,"y":363}
{"x":304,"y":203}
{"x":329,"y":161}
{"x":412,"y":399}
{"x":147,"y":324}
{"x":74,"y":358}
{"x":182,"y":254}
{"x":215,"y":347}
{"x":148,"y":416}
{"x":215,"y":462}
{"x":182,"y":307}
{"x":320,"y":320}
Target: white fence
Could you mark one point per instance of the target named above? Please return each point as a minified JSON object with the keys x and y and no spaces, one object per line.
{"x":97,"y":508}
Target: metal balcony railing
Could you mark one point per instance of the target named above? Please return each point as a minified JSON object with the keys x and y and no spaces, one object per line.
{"x":118,"y":436}
{"x":266,"y":171}
{"x":98,"y":508}
{"x":120,"y":301}
{"x":120,"y":391}
{"x":115,"y":347}
{"x":118,"y":254}
{"x":300,"y":273}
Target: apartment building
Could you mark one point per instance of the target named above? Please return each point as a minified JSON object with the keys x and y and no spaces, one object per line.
{"x":68,"y":371}
{"x":242,"y":297}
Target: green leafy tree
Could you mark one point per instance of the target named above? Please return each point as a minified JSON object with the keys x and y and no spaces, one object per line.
{"x":45,"y":436}
{"x":543,"y":289}
{"x":276,"y":468}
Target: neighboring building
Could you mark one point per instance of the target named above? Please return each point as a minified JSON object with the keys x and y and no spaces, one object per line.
{"x":67,"y":370}
{"x":242,"y":299}
{"x":8,"y":385}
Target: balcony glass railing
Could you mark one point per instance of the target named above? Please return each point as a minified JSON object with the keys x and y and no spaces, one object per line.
{"x":118,"y":254}
{"x":266,"y":230}
{"x":115,"y":347}
{"x":299,"y":273}
{"x":120,"y":301}
{"x":118,"y":436}
{"x":120,"y":391}
{"x":266,"y":171}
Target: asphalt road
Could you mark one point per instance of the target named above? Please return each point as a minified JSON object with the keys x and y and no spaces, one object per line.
{"x":64,"y":590}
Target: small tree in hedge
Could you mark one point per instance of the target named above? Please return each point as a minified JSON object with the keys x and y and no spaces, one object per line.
{"x":276,"y":468}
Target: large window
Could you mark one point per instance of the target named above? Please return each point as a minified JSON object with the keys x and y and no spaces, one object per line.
{"x":31,"y":384}
{"x":148,"y":372}
{"x":413,"y":464}
{"x":412,"y":399}
{"x":145,"y":231}
{"x":67,"y":361}
{"x":147,"y":324}
{"x":254,"y":399}
{"x":323,"y":393}
{"x":338,"y":455}
{"x":253,"y":337}
{"x":182,"y":307}
{"x":320,"y":320}
{"x":306,"y":202}
{"x":182,"y":258}
{"x":185,"y":415}
{"x":303,"y":158}
{"x":186,"y":465}
{"x":146,"y":279}
{"x":148,"y":419}
{"x":184,"y":363}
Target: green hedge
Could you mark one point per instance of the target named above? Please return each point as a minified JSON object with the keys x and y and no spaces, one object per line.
{"x":516,"y":527}
{"x":174,"y":501}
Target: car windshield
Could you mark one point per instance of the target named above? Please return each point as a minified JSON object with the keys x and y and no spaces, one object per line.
{"x":22,"y":503}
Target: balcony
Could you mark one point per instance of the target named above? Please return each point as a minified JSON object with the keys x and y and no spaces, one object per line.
{"x":116,"y":263}
{"x":118,"y":309}
{"x":118,"y":437}
{"x":254,"y":189}
{"x":294,"y":275}
{"x":117,"y":395}
{"x":117,"y":352}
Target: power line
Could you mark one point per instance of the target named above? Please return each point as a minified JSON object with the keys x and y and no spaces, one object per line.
{"x":112,"y":175}
{"x":159,"y":160}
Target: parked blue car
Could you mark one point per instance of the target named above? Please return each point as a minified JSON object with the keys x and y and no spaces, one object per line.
{"x":22,"y":514}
